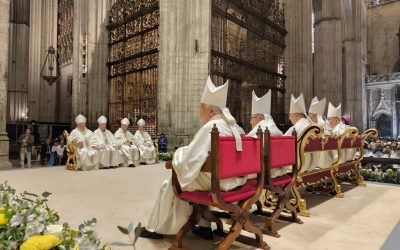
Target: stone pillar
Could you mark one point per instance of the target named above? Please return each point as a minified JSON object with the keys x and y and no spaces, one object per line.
{"x":17,"y":94}
{"x":43,"y":26}
{"x":90,"y":92}
{"x":183,"y":69}
{"x":298,"y":54}
{"x":355,"y":53}
{"x":328,"y":50}
{"x":4,"y":27}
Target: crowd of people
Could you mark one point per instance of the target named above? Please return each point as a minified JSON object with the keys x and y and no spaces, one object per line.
{"x":383,"y":148}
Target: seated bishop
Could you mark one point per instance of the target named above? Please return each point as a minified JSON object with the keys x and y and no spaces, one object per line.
{"x":261,"y":117}
{"x":146,"y":147}
{"x":87,"y":156}
{"x":170,"y":213}
{"x":104,"y":142}
{"x":338,"y":128}
{"x":125,"y":142}
{"x":315,"y":113}
{"x":300,"y":121}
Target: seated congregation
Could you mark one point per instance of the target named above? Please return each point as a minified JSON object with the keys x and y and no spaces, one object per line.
{"x":101,"y":149}
{"x":226,"y":169}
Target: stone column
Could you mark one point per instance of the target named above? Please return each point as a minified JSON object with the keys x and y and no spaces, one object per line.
{"x":184,"y":60}
{"x":4,"y":27}
{"x":328,"y":50}
{"x":355,"y":53}
{"x":298,"y":54}
{"x":90,"y":92}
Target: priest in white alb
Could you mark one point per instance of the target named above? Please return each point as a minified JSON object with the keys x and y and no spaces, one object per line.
{"x":298,"y":117}
{"x":125,"y":142}
{"x":87,"y":157}
{"x":315,"y":113}
{"x":169,"y":212}
{"x":338,"y":128}
{"x":261,"y":117}
{"x":104,"y":142}
{"x":145,"y":144}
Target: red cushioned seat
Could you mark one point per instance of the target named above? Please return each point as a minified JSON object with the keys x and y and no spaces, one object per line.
{"x":204,"y":197}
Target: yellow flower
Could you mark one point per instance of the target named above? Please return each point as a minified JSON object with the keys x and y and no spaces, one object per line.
{"x":41,"y":242}
{"x":76,"y":247}
{"x":1,"y":210}
{"x":3,"y":219}
{"x":389,"y":170}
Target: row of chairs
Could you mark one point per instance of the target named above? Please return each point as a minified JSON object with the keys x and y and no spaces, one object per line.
{"x":259,"y":156}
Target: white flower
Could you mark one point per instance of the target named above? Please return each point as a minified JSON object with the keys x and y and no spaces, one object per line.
{"x":55,"y":229}
{"x":31,"y":217}
{"x":16,"y":220}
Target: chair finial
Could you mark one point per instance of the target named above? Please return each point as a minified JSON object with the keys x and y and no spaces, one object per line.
{"x":294,"y":133}
{"x":267,"y":132}
{"x":214,"y":129}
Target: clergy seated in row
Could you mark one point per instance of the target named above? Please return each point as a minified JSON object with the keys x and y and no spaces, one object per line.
{"x":145,"y":144}
{"x":260,"y":117}
{"x":87,"y":156}
{"x":316,"y":115}
{"x":104,"y":142}
{"x":170,"y":213}
{"x":338,"y":128}
{"x":125,"y":141}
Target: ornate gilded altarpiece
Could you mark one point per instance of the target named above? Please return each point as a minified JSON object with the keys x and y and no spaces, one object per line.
{"x":247,"y":48}
{"x":65,"y":30}
{"x":133,"y":60}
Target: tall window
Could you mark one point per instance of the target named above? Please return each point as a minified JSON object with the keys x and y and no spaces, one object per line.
{"x":133,"y":61}
{"x":247,"y":48}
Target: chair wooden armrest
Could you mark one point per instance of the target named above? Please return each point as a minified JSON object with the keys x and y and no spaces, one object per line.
{"x":168,"y":164}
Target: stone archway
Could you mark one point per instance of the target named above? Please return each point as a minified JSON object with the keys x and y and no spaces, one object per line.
{"x":384,"y":125}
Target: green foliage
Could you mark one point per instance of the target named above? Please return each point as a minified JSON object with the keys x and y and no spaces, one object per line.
{"x":132,"y":234}
{"x":388,"y":176}
{"x":165,"y":156}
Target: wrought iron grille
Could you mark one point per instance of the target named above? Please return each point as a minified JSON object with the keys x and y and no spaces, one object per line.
{"x":133,"y":61}
{"x":247,"y":48}
{"x":65,"y":30}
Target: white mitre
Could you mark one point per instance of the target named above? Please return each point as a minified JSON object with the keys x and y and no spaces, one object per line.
{"x":125,"y":121}
{"x":297,"y":105}
{"x":317,"y":106}
{"x":141,"y":123}
{"x":334,"y":112}
{"x":217,"y":96}
{"x":261,"y":105}
{"x":80,"y":119}
{"x":102,"y":120}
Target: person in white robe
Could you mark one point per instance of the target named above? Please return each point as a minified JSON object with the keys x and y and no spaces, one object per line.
{"x":298,"y":117}
{"x":316,"y":111}
{"x":169,"y":212}
{"x":260,"y":117}
{"x":145,"y":144}
{"x":87,"y":157}
{"x":338,"y":128}
{"x":104,"y":142}
{"x":125,"y":142}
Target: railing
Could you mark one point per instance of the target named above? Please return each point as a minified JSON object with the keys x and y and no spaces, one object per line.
{"x":382,"y":78}
{"x":383,"y":161}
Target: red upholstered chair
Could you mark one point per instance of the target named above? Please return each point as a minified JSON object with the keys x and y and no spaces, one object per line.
{"x":279,"y":152}
{"x":227,"y":163}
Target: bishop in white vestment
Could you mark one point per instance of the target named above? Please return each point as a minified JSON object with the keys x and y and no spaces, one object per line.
{"x":125,"y":142}
{"x":170,"y":213}
{"x":87,"y":156}
{"x":104,"y":142}
{"x":260,"y":117}
{"x":145,"y":144}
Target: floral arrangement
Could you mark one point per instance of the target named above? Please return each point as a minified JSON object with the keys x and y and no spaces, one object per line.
{"x":165,"y":156}
{"x":27,"y":223}
{"x":378,"y":175}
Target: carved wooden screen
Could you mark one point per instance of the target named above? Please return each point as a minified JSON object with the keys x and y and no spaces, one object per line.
{"x":247,"y":48}
{"x":65,"y":30}
{"x":133,"y":62}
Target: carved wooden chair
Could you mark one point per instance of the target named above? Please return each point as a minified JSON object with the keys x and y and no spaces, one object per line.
{"x":226,"y":163}
{"x":279,"y":152}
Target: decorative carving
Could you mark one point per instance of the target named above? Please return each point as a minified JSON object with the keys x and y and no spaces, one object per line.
{"x":65,"y":30}
{"x":133,"y":62}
